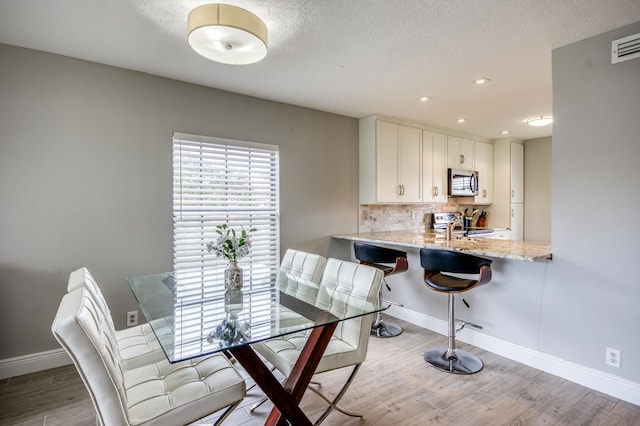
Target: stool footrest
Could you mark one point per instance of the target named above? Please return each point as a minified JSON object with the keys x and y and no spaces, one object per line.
{"x":465,"y":323}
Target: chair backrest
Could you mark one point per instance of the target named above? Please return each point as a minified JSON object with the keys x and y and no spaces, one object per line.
{"x":82,"y":278}
{"x":452,"y":261}
{"x":348,"y":278}
{"x":306,"y":266}
{"x":82,"y":329}
{"x":375,"y":254}
{"x":303,"y":265}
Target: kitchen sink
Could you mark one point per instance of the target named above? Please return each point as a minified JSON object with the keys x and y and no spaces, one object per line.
{"x":480,"y":233}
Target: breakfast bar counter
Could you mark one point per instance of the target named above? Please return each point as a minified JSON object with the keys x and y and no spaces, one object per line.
{"x":508,"y":308}
{"x":501,"y":249}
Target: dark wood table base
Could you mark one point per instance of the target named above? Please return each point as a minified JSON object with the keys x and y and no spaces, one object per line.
{"x":286,"y":397}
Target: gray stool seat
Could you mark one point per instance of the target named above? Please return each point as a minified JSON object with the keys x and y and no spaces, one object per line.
{"x":438,"y":264}
{"x":390,"y":262}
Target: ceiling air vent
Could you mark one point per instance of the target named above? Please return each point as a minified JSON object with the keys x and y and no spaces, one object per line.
{"x":625,"y":49}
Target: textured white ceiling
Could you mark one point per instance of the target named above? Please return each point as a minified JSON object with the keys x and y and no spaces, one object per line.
{"x":350,"y":57}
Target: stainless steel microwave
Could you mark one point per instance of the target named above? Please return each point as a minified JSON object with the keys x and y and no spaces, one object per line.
{"x":463,"y":183}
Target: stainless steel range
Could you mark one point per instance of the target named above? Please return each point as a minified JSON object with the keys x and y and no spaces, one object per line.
{"x":441,"y":219}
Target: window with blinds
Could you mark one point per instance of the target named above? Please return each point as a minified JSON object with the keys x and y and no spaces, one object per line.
{"x":218,"y":181}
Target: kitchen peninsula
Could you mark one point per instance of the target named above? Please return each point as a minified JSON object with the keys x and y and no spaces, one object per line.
{"x":500,"y":249}
{"x":508,"y":308}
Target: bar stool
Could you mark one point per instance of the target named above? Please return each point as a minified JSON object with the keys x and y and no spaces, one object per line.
{"x":382,"y":258}
{"x":438,"y":265}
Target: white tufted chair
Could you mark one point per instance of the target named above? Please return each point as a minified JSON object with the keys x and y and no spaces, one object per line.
{"x":138,"y":345}
{"x":304,"y":265}
{"x":156,"y":394}
{"x":299,"y":264}
{"x":348,"y":346}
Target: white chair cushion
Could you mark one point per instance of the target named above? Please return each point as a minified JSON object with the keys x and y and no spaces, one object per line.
{"x":138,"y":345}
{"x":158,"y":393}
{"x":283,"y":352}
{"x":164,"y":393}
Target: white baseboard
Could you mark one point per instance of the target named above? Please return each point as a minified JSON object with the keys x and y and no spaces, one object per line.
{"x":600,"y":381}
{"x":31,"y":363}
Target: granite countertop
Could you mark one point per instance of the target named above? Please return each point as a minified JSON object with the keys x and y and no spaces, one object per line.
{"x":502,"y":249}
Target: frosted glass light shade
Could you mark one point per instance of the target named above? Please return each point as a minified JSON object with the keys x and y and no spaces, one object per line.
{"x":539,"y":120}
{"x":227,"y":34}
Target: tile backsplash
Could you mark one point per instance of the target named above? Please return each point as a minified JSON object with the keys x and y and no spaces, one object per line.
{"x":401,"y":217}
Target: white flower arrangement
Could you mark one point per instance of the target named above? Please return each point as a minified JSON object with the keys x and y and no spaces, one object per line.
{"x":231,"y":245}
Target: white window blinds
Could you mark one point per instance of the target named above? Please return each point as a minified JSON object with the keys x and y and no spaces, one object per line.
{"x":218,"y":181}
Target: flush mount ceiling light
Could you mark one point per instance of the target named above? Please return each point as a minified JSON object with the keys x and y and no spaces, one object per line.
{"x":539,"y":120}
{"x":424,"y":98}
{"x":227,"y":34}
{"x":461,"y":120}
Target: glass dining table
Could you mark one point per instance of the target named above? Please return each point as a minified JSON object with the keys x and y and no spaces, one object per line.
{"x":192,"y":315}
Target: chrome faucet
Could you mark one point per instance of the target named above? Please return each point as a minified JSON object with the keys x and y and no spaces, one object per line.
{"x":450,"y":225}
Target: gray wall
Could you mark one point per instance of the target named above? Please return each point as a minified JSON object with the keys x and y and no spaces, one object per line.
{"x":85,"y":178}
{"x":593,"y":289}
{"x":537,"y":190}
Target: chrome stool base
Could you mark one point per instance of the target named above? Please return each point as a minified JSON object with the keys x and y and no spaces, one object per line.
{"x":462,"y":362}
{"x":385,"y":329}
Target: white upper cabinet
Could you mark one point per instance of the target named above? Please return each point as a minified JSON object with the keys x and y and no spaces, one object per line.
{"x":390,"y":162}
{"x":434,"y":167}
{"x":484,"y":166}
{"x":460,"y":153}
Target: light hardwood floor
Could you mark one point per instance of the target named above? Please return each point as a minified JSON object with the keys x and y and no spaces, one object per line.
{"x":394,"y":387}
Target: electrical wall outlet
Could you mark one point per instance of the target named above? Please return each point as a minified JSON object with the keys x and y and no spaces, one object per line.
{"x":613,"y":357}
{"x":132,"y":318}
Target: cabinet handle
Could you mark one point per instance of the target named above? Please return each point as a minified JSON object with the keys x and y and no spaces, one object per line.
{"x":513,"y":193}
{"x":512,"y":213}
{"x":484,"y":193}
{"x":434,"y":191}
{"x":461,"y":159}
{"x":401,"y":190}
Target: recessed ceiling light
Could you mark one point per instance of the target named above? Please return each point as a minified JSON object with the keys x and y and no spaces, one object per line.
{"x":540,"y":120}
{"x":504,"y":132}
{"x":424,"y":98}
{"x":461,"y":120}
{"x":482,"y":80}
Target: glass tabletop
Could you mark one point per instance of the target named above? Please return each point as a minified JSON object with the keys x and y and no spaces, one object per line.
{"x":193,"y":314}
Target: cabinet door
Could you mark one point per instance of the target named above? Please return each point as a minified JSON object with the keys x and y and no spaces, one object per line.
{"x":517,"y":221}
{"x":460,"y":153}
{"x":434,"y":167}
{"x":387,"y":189}
{"x":453,"y":152}
{"x":484,"y":166}
{"x":467,"y":154}
{"x":517,"y":173}
{"x":409,"y":164}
